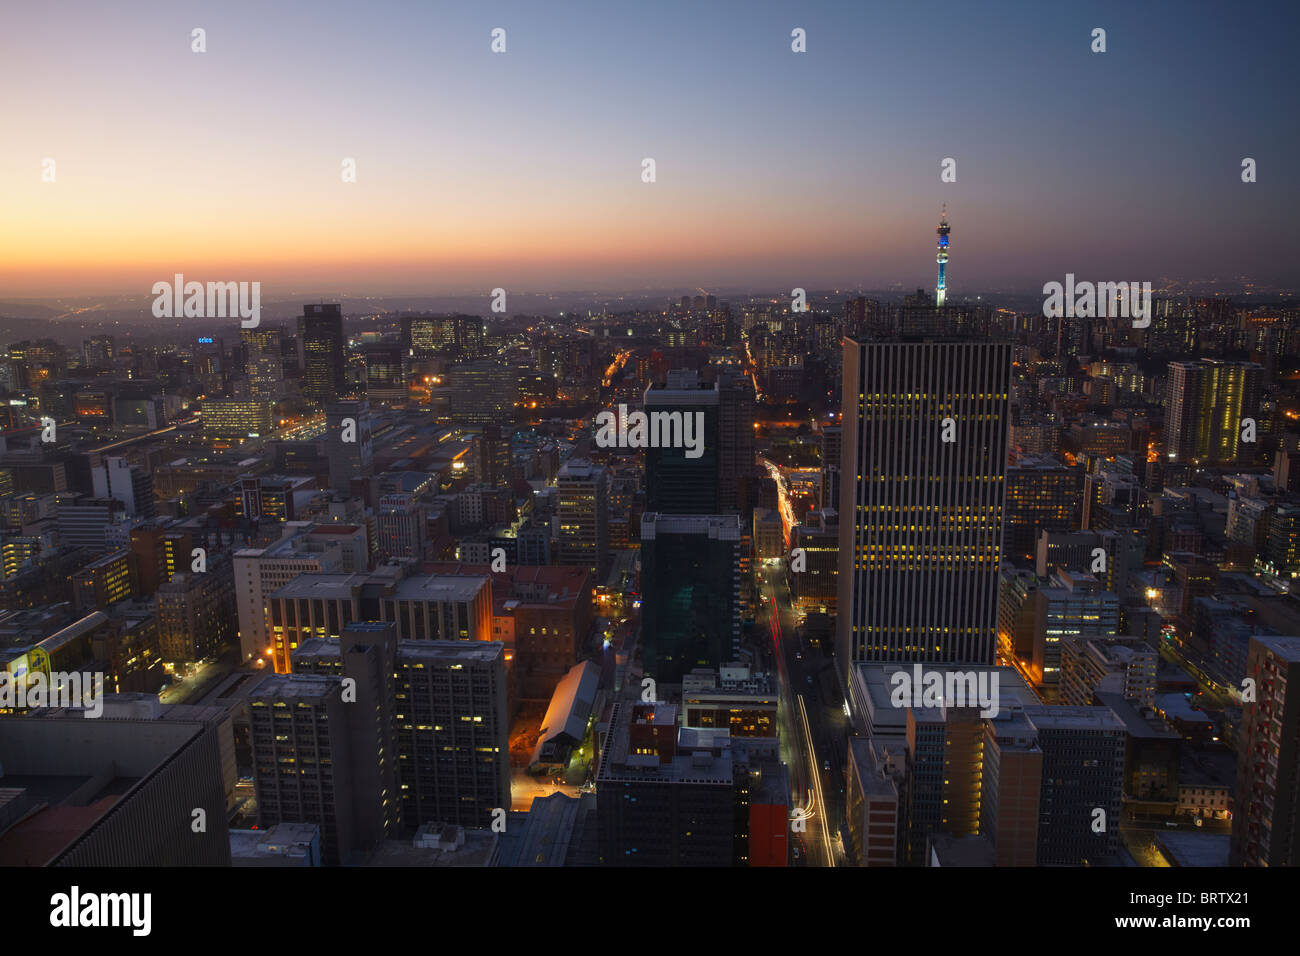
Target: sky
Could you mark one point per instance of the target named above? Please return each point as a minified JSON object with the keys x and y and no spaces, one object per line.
{"x":523,"y":169}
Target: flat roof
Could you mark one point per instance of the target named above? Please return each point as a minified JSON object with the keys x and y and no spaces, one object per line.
{"x":296,"y":687}
{"x":1057,"y":717}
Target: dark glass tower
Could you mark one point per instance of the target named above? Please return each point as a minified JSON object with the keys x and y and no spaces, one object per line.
{"x":320,"y":329}
{"x":690,"y":593}
{"x":675,"y":483}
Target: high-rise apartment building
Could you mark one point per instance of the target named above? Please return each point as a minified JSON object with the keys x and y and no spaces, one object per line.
{"x":1205,"y":406}
{"x":1264,"y":829}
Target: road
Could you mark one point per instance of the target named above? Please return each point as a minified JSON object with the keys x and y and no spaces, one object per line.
{"x":812,"y":725}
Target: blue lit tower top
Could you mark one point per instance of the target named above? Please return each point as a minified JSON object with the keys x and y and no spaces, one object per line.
{"x":941,"y":292}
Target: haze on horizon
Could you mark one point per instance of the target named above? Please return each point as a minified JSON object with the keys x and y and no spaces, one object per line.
{"x":523,"y":169}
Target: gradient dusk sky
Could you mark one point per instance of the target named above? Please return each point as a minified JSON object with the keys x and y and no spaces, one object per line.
{"x":523,"y":169}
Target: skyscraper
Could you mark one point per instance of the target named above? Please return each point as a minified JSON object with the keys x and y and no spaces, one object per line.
{"x":263,"y":361}
{"x":921,"y":500}
{"x":386,"y":371}
{"x":675,"y":482}
{"x":324,"y":364}
{"x":347,"y":438}
{"x":1205,"y":406}
{"x":735,"y":443}
{"x":690,"y":585}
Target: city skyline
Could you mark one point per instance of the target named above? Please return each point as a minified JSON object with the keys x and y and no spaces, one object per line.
{"x":449,"y":437}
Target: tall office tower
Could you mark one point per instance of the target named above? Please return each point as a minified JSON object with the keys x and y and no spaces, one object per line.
{"x":348,"y":443}
{"x":941,"y":289}
{"x":422,"y":336}
{"x":1083,"y":770}
{"x":98,"y":351}
{"x":921,"y":502}
{"x":1281,"y":551}
{"x":303,"y":734}
{"x":832,"y":444}
{"x":1264,"y":828}
{"x":323,"y":353}
{"x":1205,"y":405}
{"x":196,"y":611}
{"x":690,"y":593}
{"x":582,"y":516}
{"x":263,"y":361}
{"x":386,"y":371}
{"x":92,"y":793}
{"x":676,"y":483}
{"x":116,"y":478}
{"x":1043,"y":494}
{"x":366,"y":653}
{"x":661,"y":804}
{"x":735,"y":444}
